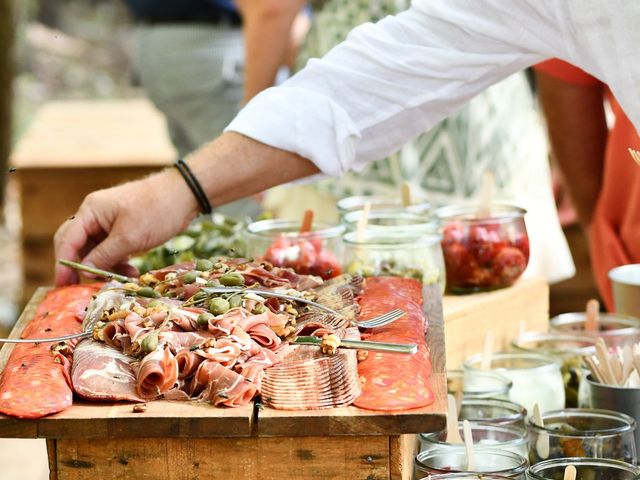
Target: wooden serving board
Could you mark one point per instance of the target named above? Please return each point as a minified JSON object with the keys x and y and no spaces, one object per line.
{"x":169,"y":419}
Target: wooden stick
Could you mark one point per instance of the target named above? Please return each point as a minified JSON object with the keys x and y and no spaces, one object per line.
{"x":592,"y":316}
{"x":486,"y":193}
{"x":542,"y":443}
{"x":597,"y":374}
{"x":307,"y":222}
{"x":570,"y":473}
{"x":605,"y":364}
{"x":363,"y":221}
{"x":405,"y":191}
{"x":635,"y":155}
{"x":453,"y":434}
{"x":468,"y":445}
{"x":627,"y":363}
{"x":487,"y":353}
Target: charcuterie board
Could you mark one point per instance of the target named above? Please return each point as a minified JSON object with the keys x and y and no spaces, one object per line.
{"x":86,"y":420}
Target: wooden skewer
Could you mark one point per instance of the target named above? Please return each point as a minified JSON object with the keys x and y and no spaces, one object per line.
{"x":592,"y":314}
{"x":486,"y":192}
{"x":307,"y":222}
{"x":605,"y":363}
{"x":363,"y":221}
{"x":487,"y":353}
{"x":570,"y":473}
{"x":406,"y":194}
{"x":635,"y":155}
{"x":453,"y":433}
{"x":597,"y":374}
{"x":468,"y":445}
{"x":627,"y":363}
{"x":542,"y":443}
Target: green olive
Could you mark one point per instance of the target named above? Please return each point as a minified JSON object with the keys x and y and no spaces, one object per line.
{"x":218,"y":306}
{"x":189,"y":277}
{"x":204,"y":265}
{"x":203,"y":318}
{"x":258,"y":309}
{"x":235,"y":301}
{"x":149,"y":343}
{"x":233,"y":279}
{"x":147,"y":292}
{"x":154,"y":303}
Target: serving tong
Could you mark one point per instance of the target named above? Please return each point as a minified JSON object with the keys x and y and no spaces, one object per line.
{"x":406,"y":348}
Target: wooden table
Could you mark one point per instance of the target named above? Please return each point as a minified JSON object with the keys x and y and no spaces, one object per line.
{"x":185,"y":441}
{"x":71,"y":149}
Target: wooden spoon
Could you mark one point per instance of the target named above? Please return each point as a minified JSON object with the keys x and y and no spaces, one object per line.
{"x":486,"y":193}
{"x":453,"y":434}
{"x":487,"y":352}
{"x":468,"y":446}
{"x":605,"y":363}
{"x":363,"y":221}
{"x":405,"y":191}
{"x":570,"y":473}
{"x":542,"y":443}
{"x":307,"y":222}
{"x":592,"y":313}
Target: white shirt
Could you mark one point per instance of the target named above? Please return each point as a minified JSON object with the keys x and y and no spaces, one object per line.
{"x":390,"y":81}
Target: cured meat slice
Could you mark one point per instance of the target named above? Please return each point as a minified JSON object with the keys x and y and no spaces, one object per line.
{"x":36,"y":382}
{"x":222,"y":386}
{"x":101,"y":372}
{"x":157,"y":373}
{"x":394,"y":381}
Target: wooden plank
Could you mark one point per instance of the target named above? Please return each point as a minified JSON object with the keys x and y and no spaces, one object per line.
{"x":402,"y":451}
{"x":187,"y":459}
{"x":356,"y":421}
{"x":112,"y":420}
{"x":469,"y":317}
{"x":95,"y":133}
{"x":52,"y":457}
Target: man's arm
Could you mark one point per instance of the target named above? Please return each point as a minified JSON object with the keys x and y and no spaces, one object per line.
{"x":267,"y":28}
{"x":578,"y":132}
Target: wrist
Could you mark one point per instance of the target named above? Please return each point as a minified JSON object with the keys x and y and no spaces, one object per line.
{"x":179,"y":196}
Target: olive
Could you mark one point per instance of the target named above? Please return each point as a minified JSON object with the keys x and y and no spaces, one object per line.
{"x":258,"y":309}
{"x":204,"y":265}
{"x":233,"y":279}
{"x":147,"y":292}
{"x":203,"y":318}
{"x":218,"y":306}
{"x":154,"y":303}
{"x":189,"y":277}
{"x":235,"y":301}
{"x":149,"y":343}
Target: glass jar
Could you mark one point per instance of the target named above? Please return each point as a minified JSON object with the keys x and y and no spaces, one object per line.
{"x":492,"y":437}
{"x":586,"y":469}
{"x":483,"y":253}
{"x":494,"y":412}
{"x":419,"y":204}
{"x":582,"y":433}
{"x":616,"y":330}
{"x":311,"y":253}
{"x":465,"y":476}
{"x":478,"y":384}
{"x":453,"y":459}
{"x":400,"y":254}
{"x":569,"y":348}
{"x":399,"y":221}
{"x":536,"y":377}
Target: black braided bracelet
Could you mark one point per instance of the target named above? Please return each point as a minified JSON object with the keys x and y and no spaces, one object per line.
{"x":194,"y":185}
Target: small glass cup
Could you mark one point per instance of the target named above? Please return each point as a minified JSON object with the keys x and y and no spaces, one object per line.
{"x":586,"y":469}
{"x":483,"y":253}
{"x":492,"y":437}
{"x":453,"y":459}
{"x":494,"y":412}
{"x":399,"y":254}
{"x":536,"y":377}
{"x":478,"y":384}
{"x":419,"y":204}
{"x":616,"y":330}
{"x":569,"y":348}
{"x":582,"y":433}
{"x":280,"y":242}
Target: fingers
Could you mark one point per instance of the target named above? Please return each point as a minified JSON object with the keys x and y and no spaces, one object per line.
{"x":113,"y":250}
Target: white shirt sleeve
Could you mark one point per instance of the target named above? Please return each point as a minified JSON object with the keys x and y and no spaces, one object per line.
{"x":391,"y":81}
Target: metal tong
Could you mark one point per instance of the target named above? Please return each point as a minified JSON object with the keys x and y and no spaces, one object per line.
{"x":406,"y":348}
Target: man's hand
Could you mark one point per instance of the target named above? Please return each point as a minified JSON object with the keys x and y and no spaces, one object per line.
{"x":111,"y":224}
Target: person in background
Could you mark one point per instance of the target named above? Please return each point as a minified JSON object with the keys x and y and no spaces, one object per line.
{"x":604,"y":182}
{"x":498,"y":131}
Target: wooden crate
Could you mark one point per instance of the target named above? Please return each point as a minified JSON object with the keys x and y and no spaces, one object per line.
{"x":71,"y":149}
{"x":188,"y":440}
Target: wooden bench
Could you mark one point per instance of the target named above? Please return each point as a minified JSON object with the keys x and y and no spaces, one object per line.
{"x":70,"y":149}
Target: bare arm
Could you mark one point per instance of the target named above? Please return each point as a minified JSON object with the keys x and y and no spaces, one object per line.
{"x":136,"y":216}
{"x":578,"y":134}
{"x":267,"y":28}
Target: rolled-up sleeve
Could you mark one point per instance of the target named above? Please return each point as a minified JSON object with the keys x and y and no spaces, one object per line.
{"x":390,"y":81}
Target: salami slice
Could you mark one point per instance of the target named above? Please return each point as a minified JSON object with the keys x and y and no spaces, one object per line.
{"x":36,"y":382}
{"x":392,"y":381}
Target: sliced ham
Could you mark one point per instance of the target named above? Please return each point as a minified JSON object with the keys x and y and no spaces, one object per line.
{"x":157,"y":373}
